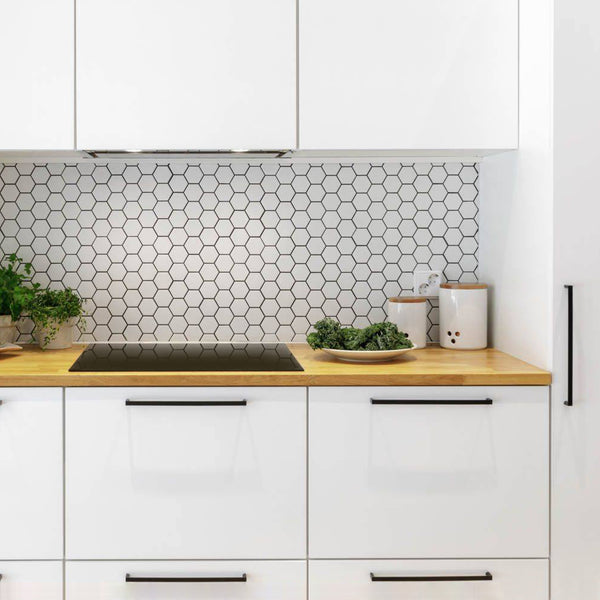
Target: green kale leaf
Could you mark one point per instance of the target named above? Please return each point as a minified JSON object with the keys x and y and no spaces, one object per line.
{"x":328,"y":334}
{"x":379,"y":336}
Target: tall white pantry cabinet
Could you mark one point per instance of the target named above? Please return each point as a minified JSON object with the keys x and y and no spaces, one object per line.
{"x":539,"y":233}
{"x":576,"y":448}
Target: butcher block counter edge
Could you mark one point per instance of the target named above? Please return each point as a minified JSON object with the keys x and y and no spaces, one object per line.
{"x":429,"y":366}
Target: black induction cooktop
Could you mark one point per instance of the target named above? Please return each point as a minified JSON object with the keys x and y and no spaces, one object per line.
{"x":186,"y":357}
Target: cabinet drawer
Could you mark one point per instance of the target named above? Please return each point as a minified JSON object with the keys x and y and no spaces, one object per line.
{"x":31,"y":490}
{"x":440,"y":580}
{"x":186,"y":473}
{"x":248,"y":580}
{"x":454,"y":477}
{"x":31,"y":580}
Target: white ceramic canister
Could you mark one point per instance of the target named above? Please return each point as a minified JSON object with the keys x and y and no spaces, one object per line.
{"x":463,"y":315}
{"x":409,"y":313}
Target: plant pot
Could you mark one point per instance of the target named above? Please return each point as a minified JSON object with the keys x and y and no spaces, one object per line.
{"x":61,"y":335}
{"x":8,"y":330}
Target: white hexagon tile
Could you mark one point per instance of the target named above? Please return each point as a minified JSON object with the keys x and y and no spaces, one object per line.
{"x":176,"y":251}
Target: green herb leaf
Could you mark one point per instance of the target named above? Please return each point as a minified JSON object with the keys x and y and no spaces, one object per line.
{"x":16,"y":289}
{"x":379,"y":336}
{"x":49,"y":309}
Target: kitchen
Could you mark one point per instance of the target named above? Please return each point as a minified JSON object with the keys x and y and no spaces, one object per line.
{"x":199,"y":184}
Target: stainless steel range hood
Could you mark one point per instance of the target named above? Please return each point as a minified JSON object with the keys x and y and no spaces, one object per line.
{"x":191,"y":154}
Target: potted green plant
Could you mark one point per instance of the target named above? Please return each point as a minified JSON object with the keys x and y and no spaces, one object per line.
{"x":54,"y":314}
{"x":16,"y":291}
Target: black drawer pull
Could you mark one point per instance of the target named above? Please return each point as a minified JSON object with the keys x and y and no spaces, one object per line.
{"x":432,"y":402}
{"x":186,"y":403}
{"x":144,"y":579}
{"x":486,"y":577}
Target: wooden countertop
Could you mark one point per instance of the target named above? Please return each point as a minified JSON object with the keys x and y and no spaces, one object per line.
{"x":33,"y":367}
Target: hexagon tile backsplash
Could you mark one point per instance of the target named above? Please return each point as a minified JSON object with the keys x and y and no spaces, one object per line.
{"x":182,"y":251}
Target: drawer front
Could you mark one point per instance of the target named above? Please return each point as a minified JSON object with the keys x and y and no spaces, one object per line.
{"x":247,"y":580}
{"x":186,"y":473}
{"x":31,"y":580}
{"x":31,"y":478}
{"x":429,"y":580}
{"x":435,"y":480}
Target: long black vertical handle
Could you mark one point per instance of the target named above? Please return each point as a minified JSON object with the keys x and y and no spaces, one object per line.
{"x":569,"y":400}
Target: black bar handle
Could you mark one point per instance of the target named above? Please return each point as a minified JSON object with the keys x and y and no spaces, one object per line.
{"x":569,"y":400}
{"x":144,"y":579}
{"x":432,"y":402}
{"x":186,"y":403}
{"x":486,"y":577}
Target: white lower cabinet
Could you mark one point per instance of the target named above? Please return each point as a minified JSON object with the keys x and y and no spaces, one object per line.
{"x":186,"y":473}
{"x":428,"y":580}
{"x":247,"y":580}
{"x":429,"y":472}
{"x":31,"y":478}
{"x":31,"y":580}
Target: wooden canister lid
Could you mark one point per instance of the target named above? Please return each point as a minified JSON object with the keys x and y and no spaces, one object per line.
{"x":407,"y":299}
{"x":464,"y":286}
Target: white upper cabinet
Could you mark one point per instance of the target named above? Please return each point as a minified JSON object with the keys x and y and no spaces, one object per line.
{"x":186,"y":74}
{"x":406,"y":74}
{"x":36,"y":88}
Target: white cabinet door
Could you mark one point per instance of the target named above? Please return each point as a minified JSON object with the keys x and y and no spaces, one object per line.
{"x":37,"y":39}
{"x":351,"y":580}
{"x":575,"y":433}
{"x":223,"y":481}
{"x":31,"y":580}
{"x":186,"y":74}
{"x":400,"y":74}
{"x":264,"y":580}
{"x":428,"y":481}
{"x":31,"y":478}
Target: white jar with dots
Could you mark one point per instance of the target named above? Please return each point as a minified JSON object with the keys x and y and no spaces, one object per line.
{"x":463,"y":316}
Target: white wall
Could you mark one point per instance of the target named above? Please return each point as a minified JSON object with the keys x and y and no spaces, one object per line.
{"x":516,"y":197}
